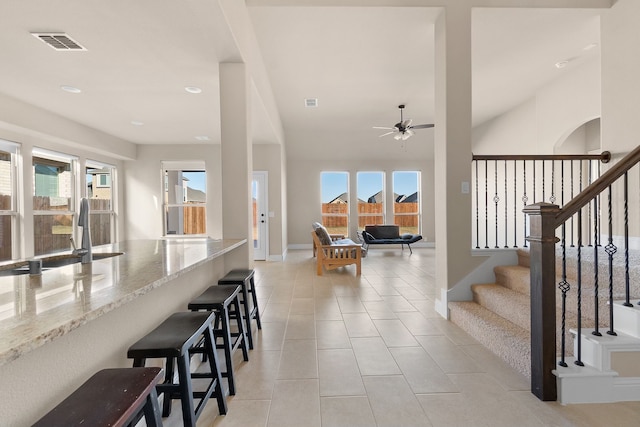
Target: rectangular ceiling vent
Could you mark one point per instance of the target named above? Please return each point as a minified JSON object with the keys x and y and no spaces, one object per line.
{"x":59,"y":41}
{"x":311,"y":102}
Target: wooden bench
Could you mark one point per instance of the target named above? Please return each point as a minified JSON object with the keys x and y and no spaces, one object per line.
{"x":336,"y":255}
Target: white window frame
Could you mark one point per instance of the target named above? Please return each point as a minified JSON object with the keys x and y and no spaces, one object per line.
{"x":14,"y":211}
{"x":419,"y":191}
{"x":348,"y":193}
{"x":382,"y":197}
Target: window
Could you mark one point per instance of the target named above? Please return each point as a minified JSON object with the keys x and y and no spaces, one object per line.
{"x":8,"y":205}
{"x":370,"y":198}
{"x":100,"y":194}
{"x":53,"y":201}
{"x":335,"y":201}
{"x":406,"y":206}
{"x":185,"y":198}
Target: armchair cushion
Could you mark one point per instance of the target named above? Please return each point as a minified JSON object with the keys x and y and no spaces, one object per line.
{"x":323,"y":235}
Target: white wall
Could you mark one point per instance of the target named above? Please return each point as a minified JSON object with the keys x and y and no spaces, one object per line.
{"x":143,"y":193}
{"x":546,"y":120}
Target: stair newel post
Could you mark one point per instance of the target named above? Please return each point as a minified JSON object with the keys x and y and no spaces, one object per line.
{"x":542,"y":240}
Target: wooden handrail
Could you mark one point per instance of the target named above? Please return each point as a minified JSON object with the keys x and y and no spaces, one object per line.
{"x":604,"y":157}
{"x":595,"y":188}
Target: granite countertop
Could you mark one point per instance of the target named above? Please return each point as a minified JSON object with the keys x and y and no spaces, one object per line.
{"x":37,"y":309}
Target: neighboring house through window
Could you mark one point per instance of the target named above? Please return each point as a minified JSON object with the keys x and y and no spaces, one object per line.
{"x":335,"y":201}
{"x":53,"y":201}
{"x":185,"y":198}
{"x":100,"y":192}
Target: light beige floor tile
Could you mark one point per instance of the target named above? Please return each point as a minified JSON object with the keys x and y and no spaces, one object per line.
{"x":302,"y":305}
{"x":394,"y":333}
{"x":270,"y":337}
{"x":447,"y":355}
{"x":379,"y":310}
{"x":327,"y":309}
{"x":339,"y":374}
{"x":332,"y":334}
{"x":374,"y":357}
{"x":360,"y":325}
{"x":398,"y":303}
{"x":393,"y":403}
{"x":303,"y":290}
{"x":350,"y":304}
{"x":368,"y":294}
{"x":298,"y":360}
{"x":301,"y":327}
{"x":351,"y":411}
{"x":410,"y":293}
{"x":275,"y":312}
{"x":421,"y":372}
{"x":255,"y":380}
{"x":295,"y":403}
{"x":243,"y":413}
{"x":496,"y":367}
{"x":418,"y":324}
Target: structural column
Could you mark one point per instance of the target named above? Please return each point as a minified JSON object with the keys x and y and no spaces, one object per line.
{"x":452,"y":152}
{"x":237,"y":161}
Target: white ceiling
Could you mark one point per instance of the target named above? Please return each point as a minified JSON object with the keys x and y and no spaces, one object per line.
{"x":359,"y":62}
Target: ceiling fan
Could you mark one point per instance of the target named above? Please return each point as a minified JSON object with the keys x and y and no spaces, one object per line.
{"x":403,"y":130}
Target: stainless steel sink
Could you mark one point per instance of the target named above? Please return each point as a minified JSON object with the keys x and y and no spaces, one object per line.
{"x":53,"y":262}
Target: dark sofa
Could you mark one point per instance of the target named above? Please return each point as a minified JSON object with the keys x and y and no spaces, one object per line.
{"x":387,"y":235}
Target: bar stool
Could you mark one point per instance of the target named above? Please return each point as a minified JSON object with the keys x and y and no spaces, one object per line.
{"x":225,"y":302}
{"x":174,"y":340}
{"x":244,"y":278}
{"x":111,"y":397}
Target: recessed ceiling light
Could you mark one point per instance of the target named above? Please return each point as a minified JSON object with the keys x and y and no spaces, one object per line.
{"x":311,"y":102}
{"x":136,"y":123}
{"x":193,"y":89}
{"x":202,"y":138}
{"x":70,"y":89}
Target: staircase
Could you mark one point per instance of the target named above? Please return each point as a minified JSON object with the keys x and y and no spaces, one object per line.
{"x":499,"y":318}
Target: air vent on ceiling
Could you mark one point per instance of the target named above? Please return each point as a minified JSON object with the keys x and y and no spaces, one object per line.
{"x":59,"y":41}
{"x":311,"y":102}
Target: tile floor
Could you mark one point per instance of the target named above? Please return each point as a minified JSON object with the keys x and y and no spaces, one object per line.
{"x":338,"y":350}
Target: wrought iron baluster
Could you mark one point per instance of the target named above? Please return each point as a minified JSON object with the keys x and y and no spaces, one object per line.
{"x":496,"y":198}
{"x":534,"y":182}
{"x":486,"y":205}
{"x":475,"y":162}
{"x":564,"y":286}
{"x":552,"y":199}
{"x":524,"y":201}
{"x":515,"y":198}
{"x":596,"y":313}
{"x":579,"y":294}
{"x":543,"y":179}
{"x":506,"y":222}
{"x":588,"y":205}
{"x":572,"y":219}
{"x":626,"y":241}
{"x":610,"y":249}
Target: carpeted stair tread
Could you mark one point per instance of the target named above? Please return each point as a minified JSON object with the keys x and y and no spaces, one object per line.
{"x":514,"y":277}
{"x":513,"y":306}
{"x":506,"y":339}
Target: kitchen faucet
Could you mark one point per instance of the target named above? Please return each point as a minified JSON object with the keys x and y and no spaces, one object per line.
{"x":83,"y":221}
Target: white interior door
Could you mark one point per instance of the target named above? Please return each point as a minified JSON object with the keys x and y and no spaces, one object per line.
{"x":260,"y":217}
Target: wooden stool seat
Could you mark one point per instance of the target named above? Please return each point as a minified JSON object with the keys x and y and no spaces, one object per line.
{"x":111,"y":397}
{"x":225,"y":302}
{"x":175,"y":340}
{"x":245,"y":278}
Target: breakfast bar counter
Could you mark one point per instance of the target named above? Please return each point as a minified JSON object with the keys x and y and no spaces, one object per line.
{"x":36,"y":309}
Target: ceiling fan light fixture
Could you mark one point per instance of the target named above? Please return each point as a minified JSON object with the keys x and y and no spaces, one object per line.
{"x":398,"y":137}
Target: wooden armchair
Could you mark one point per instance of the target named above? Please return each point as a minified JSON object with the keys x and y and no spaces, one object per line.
{"x":336,"y":255}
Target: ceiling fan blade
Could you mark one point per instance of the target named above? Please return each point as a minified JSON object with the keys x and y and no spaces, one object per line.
{"x":406,"y":123}
{"x":388,"y":133}
{"x":382,"y":127}
{"x":430,"y":125}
